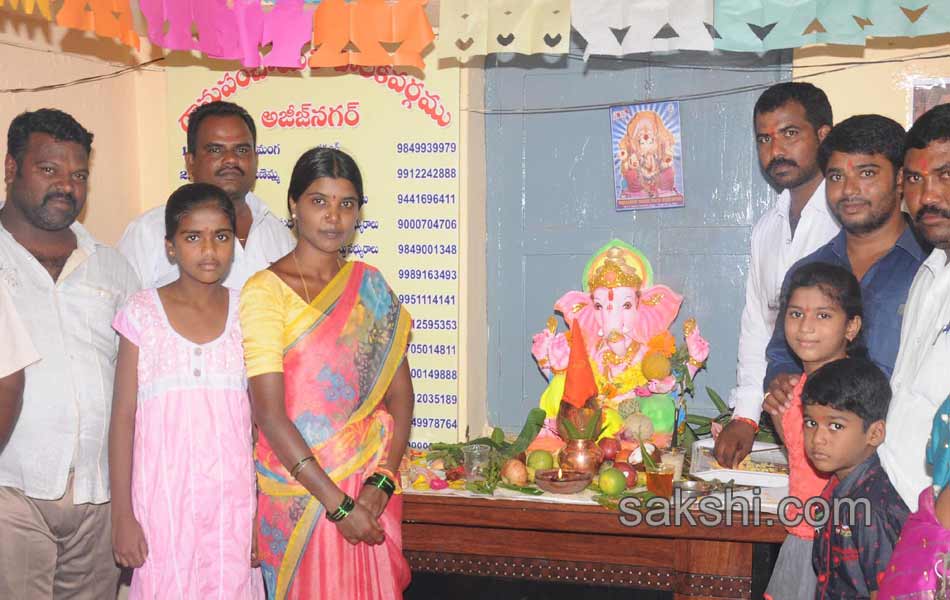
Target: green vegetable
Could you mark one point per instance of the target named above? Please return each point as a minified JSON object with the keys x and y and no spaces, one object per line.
{"x":530,"y":430}
{"x":531,"y":491}
{"x":498,"y":436}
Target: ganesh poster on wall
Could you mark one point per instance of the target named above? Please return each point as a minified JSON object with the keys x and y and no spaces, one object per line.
{"x":647,"y":155}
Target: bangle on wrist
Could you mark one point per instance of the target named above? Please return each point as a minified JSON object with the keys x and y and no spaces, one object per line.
{"x":301,"y":464}
{"x":382,"y":482}
{"x":346,"y":507}
{"x":747,"y":421}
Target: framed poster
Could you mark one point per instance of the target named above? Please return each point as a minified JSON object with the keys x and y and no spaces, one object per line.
{"x":647,"y":155}
{"x":926,"y":93}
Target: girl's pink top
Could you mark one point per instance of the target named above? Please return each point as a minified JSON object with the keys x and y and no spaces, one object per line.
{"x":804,"y":481}
{"x":193,"y":482}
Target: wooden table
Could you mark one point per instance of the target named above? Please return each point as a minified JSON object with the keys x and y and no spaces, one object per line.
{"x":546,"y":541}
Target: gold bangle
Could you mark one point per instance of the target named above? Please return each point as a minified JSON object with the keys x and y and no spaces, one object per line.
{"x":300,"y":465}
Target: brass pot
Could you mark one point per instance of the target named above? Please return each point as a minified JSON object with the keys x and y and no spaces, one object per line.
{"x":581,"y":455}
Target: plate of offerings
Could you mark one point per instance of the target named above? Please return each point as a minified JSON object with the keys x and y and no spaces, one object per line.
{"x":766,"y":466}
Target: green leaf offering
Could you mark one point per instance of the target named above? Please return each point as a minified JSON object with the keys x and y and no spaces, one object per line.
{"x":648,"y":461}
{"x":531,"y":491}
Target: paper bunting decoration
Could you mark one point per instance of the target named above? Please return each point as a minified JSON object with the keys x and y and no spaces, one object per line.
{"x":287,"y":28}
{"x":470,"y":28}
{"x":374,"y":33}
{"x":107,"y":18}
{"x":907,"y":17}
{"x":617,"y":28}
{"x":29,"y":5}
{"x":759,"y":25}
{"x":358,"y":33}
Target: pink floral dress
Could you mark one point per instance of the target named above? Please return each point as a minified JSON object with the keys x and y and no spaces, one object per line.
{"x":193,"y":480}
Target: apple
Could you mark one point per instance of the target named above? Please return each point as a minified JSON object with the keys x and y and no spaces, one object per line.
{"x":610,"y":446}
{"x":628,"y":471}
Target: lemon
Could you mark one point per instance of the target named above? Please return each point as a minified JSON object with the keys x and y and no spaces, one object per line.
{"x":540,"y":460}
{"x":612,"y":482}
{"x":655,"y":366}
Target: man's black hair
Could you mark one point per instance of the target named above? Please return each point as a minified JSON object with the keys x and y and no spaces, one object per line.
{"x":217,"y":109}
{"x":932,"y":126}
{"x":59,"y":125}
{"x":865,"y":134}
{"x":813,"y":100}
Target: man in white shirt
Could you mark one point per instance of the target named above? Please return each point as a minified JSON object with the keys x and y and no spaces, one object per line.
{"x":54,"y":472}
{"x":791,"y":120}
{"x":221,"y":150}
{"x":18,"y":353}
{"x":920,"y":383}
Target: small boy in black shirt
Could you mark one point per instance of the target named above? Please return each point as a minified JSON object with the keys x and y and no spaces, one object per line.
{"x":845,"y":403}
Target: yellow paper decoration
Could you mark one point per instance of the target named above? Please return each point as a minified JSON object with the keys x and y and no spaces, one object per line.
{"x":470,"y":28}
{"x":107,"y":18}
{"x":28,"y":6}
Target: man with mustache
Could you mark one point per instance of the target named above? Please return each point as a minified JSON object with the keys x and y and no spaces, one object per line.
{"x":66,"y":287}
{"x":790,"y":119}
{"x":920,"y":382}
{"x":222,"y":150}
{"x":861,"y":159}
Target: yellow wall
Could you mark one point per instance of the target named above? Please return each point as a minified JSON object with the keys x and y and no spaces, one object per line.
{"x":874,"y":88}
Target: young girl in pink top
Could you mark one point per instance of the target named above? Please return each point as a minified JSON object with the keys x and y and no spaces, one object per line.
{"x":180,"y":448}
{"x":822,"y":312}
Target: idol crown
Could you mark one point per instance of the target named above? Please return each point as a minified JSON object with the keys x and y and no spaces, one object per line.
{"x":612,"y":275}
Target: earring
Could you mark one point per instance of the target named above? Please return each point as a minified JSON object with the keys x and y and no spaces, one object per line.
{"x":600,"y":333}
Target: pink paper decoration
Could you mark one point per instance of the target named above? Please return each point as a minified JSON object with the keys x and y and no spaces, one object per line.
{"x":288,"y":27}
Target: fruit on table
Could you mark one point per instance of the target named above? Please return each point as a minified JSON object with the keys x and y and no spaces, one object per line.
{"x":610,"y":446}
{"x":514,"y":472}
{"x":540,"y":460}
{"x":655,"y":366}
{"x":629,"y":473}
{"x":531,"y":471}
{"x":612,"y":482}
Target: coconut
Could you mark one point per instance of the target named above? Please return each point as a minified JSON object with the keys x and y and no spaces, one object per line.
{"x":637,"y":426}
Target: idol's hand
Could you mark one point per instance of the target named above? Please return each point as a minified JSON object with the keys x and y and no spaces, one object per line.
{"x":128,"y":541}
{"x":373,"y":499}
{"x":778,"y":399}
{"x":734,"y":443}
{"x":361,"y":526}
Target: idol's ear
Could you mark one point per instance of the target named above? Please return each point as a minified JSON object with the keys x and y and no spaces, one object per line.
{"x":658,"y":308}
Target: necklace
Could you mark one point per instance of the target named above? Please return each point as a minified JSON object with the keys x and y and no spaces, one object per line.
{"x":615,"y":361}
{"x":300,"y":275}
{"x":303,"y":282}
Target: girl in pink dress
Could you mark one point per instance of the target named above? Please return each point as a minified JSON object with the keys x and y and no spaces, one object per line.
{"x":180,"y":447}
{"x":822,"y":311}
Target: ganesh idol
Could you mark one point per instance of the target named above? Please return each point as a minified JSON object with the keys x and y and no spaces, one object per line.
{"x":624,"y":319}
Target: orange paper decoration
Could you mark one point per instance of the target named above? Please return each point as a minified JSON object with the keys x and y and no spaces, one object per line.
{"x":28,"y":6}
{"x":355,"y":33}
{"x":107,"y":18}
{"x":579,"y":382}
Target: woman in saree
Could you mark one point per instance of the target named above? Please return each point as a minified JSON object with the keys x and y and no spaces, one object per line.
{"x":325,"y":346}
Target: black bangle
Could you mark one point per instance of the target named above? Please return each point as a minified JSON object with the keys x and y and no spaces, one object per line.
{"x":346,"y":507}
{"x":382,"y":482}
